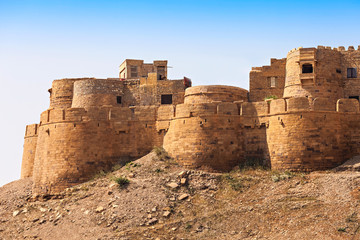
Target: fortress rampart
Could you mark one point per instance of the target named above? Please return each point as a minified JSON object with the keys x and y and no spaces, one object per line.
{"x":30,"y":141}
{"x":301,"y":114}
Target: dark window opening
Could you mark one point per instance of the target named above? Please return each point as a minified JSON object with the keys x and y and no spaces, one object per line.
{"x":118,"y":99}
{"x":351,"y":73}
{"x":355,"y":97}
{"x":166,"y":99}
{"x":161,"y":72}
{"x":338,"y":70}
{"x":307,"y":68}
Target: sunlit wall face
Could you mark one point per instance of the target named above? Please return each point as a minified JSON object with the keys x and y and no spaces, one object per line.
{"x":212,"y":42}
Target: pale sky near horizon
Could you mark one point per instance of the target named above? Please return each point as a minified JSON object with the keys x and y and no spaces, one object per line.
{"x":211,"y":42}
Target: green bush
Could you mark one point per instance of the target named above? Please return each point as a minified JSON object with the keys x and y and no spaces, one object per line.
{"x":122,"y":181}
{"x":279,"y":176}
{"x":272,"y":97}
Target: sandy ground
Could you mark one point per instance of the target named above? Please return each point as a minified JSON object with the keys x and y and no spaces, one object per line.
{"x":165,"y":201}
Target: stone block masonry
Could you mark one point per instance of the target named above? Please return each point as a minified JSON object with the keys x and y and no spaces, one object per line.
{"x":301,"y":114}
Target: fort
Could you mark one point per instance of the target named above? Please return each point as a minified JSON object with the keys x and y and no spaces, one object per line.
{"x":301,"y":113}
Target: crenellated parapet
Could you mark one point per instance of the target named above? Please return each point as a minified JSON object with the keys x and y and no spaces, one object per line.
{"x":301,"y":114}
{"x":30,"y":142}
{"x":73,"y":144}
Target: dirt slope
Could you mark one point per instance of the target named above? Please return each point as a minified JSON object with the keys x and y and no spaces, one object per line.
{"x":243,"y":204}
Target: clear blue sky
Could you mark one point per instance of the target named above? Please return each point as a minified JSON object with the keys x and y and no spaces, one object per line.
{"x":212,"y":42}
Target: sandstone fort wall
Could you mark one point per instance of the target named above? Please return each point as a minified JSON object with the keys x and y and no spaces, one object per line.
{"x":301,"y":114}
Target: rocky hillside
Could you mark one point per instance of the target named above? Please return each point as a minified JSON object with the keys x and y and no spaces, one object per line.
{"x":154,"y":198}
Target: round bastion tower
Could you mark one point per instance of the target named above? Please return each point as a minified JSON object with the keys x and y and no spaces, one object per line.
{"x":312,"y":73}
{"x":204,"y":130}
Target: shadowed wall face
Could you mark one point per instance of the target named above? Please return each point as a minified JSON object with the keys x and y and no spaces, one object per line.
{"x":30,"y":142}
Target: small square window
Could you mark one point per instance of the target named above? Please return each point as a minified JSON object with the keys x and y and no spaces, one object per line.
{"x":351,"y":73}
{"x":118,"y":99}
{"x":166,"y":99}
{"x":307,"y":68}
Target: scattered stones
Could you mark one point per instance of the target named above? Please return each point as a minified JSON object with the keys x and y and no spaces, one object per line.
{"x":131,"y":175}
{"x":58,"y":217}
{"x":15,"y":213}
{"x":183,"y":181}
{"x":99,"y":209}
{"x":166,"y":214}
{"x":43,"y":209}
{"x":172,"y":199}
{"x":173,"y":229}
{"x":149,"y":216}
{"x":152,"y":221}
{"x":87,"y":212}
{"x":173,"y":185}
{"x":183,"y":196}
{"x":154,"y":209}
{"x":42,"y":221}
{"x":182,"y":174}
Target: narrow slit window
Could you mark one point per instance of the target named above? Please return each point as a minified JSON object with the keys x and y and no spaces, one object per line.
{"x":351,"y":73}
{"x":166,"y":99}
{"x":118,"y":99}
{"x":307,"y":68}
{"x":354,"y":97}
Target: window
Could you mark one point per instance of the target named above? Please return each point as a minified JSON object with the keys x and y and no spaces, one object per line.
{"x":118,"y":99}
{"x":273,"y":82}
{"x":338,"y":70}
{"x":354,"y":97}
{"x":351,"y":73}
{"x":166,"y":99}
{"x":161,"y":72}
{"x":307,"y":68}
{"x":133,"y":71}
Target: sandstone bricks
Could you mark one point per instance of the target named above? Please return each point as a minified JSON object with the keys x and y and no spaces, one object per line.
{"x":307,"y":122}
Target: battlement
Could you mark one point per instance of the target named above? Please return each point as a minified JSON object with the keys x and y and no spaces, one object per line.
{"x":274,"y":62}
{"x":339,"y":49}
{"x":301,"y":113}
{"x":221,"y":93}
{"x":31,"y":130}
{"x":134,"y":113}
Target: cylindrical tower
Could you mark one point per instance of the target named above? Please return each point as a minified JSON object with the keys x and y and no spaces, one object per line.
{"x":205,"y":132}
{"x":312,"y":73}
{"x":97,"y":93}
{"x":306,"y":141}
{"x":70,"y":152}
{"x":30,"y":141}
{"x":207,"y":94}
{"x":61,"y":93}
